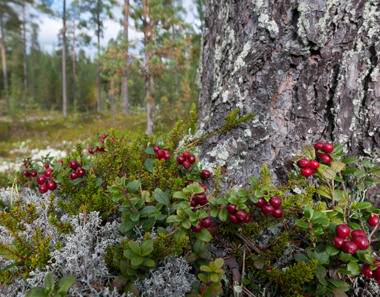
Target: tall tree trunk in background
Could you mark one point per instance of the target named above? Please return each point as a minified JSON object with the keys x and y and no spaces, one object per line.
{"x":74,"y":78}
{"x":98,"y":33}
{"x":4,"y":63}
{"x":149,"y":125}
{"x":308,"y":71}
{"x":124,"y":86}
{"x":24,"y":55}
{"x":64,"y":61}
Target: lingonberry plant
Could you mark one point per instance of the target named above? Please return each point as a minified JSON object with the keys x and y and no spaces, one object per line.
{"x":163,"y":203}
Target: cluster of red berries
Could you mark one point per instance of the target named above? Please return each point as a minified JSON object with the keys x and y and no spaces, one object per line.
{"x":199,"y":199}
{"x":99,"y":148}
{"x":308,"y":167}
{"x":239,"y":216}
{"x":43,"y":180}
{"x":161,"y":154}
{"x":372,"y":273}
{"x":359,"y":239}
{"x":272,"y":208}
{"x":186,"y":159}
{"x":79,"y":172}
{"x":327,"y":148}
{"x":203,"y":223}
{"x":200,"y":184}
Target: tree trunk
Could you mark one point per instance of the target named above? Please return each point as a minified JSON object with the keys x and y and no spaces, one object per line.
{"x":124,"y":86}
{"x":74,"y":78}
{"x":149,"y":124}
{"x":98,"y":33}
{"x":24,"y":55}
{"x":64,"y":99}
{"x":309,"y":72}
{"x":4,"y":63}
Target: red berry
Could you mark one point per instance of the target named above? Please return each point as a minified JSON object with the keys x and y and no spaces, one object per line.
{"x":180,"y":159}
{"x":362,"y":242}
{"x":186,"y":164}
{"x":241,"y":215}
{"x":326,"y":159}
{"x":161,"y":153}
{"x":73,"y":164}
{"x":186,"y":154}
{"x":190,"y":182}
{"x":48,"y":172}
{"x":51,"y":185}
{"x":358,"y":233}
{"x":112,"y":140}
{"x":26,"y":173}
{"x":192,"y":159}
{"x":314,"y":164}
{"x":46,"y":165}
{"x":81,"y":172}
{"x":26,"y":165}
{"x":33,"y":173}
{"x":247,"y":219}
{"x":206,"y":174}
{"x":199,"y":197}
{"x":261,"y":202}
{"x":60,"y":161}
{"x":206,"y":222}
{"x":203,"y":202}
{"x":91,"y":150}
{"x":275,"y":201}
{"x":104,"y":136}
{"x":267,"y":209}
{"x":349,"y":247}
{"x":306,"y":172}
{"x":43,"y":189}
{"x":337,"y":241}
{"x":318,"y":145}
{"x":166,"y":156}
{"x":41,"y":179}
{"x":373,"y":220}
{"x":327,"y":147}
{"x":367,"y":272}
{"x":231,"y":208}
{"x":204,"y":187}
{"x":277,"y":213}
{"x":342,"y":230}
{"x":303,"y":163}
{"x":197,"y":228}
{"x":313,"y":170}
{"x":233,"y":219}
{"x":156,"y":148}
{"x":74,"y":175}
{"x":376,"y":274}
{"x":99,"y":148}
{"x":193,"y":203}
{"x":320,"y":154}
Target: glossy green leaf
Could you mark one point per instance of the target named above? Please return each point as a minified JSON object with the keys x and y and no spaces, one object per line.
{"x":179,"y":195}
{"x":320,"y":271}
{"x":350,"y":160}
{"x":150,"y":151}
{"x":148,"y":262}
{"x":65,"y":283}
{"x":302,"y":258}
{"x":309,"y":151}
{"x":302,"y":224}
{"x":337,"y":166}
{"x":136,"y":261}
{"x":254,"y":182}
{"x":223,"y":215}
{"x":354,"y":268}
{"x":359,"y":173}
{"x":148,"y":224}
{"x":186,"y":224}
{"x":203,"y":235}
{"x":149,"y":164}
{"x":134,"y":216}
{"x":326,"y":172}
{"x":49,"y":283}
{"x":126,"y":226}
{"x":135,"y":247}
{"x":308,"y":212}
{"x":161,"y":197}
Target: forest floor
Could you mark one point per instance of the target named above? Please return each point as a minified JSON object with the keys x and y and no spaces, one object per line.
{"x":35,"y":135}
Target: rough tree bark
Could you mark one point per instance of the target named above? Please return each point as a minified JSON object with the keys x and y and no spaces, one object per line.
{"x":74,"y":76}
{"x":307,"y":69}
{"x":124,"y":86}
{"x":64,"y":90}
{"x":24,"y":63}
{"x":4,"y":62}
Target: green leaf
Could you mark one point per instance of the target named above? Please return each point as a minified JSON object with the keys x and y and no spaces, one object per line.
{"x":65,"y":283}
{"x":345,"y":257}
{"x":348,"y":170}
{"x":78,"y":181}
{"x":117,"y":197}
{"x":302,"y":258}
{"x":129,"y":254}
{"x":114,"y":189}
{"x":203,"y":235}
{"x":149,"y":223}
{"x":337,"y":148}
{"x":324,"y":222}
{"x":309,"y":151}
{"x":49,"y":283}
{"x":149,"y":164}
{"x":162,"y":230}
{"x":132,"y":186}
{"x":160,"y":141}
{"x":136,"y":261}
{"x":179,"y":234}
{"x":259,"y":264}
{"x":326,"y":172}
{"x":354,"y":268}
{"x":135,"y":247}
{"x":339,"y":284}
{"x":98,"y":181}
{"x":179,"y":195}
{"x":150,"y":151}
{"x":148,"y":262}
{"x":203,"y":278}
{"x":223,"y":215}
{"x":186,"y":224}
{"x":308,"y":212}
{"x":338,"y":293}
{"x":302,"y":224}
{"x":119,"y":281}
{"x":367,"y":165}
{"x":147,"y":247}
{"x":198,"y":246}
{"x":322,"y":193}
{"x":161,"y":197}
{"x":331,"y":251}
{"x":205,"y":268}
{"x":219,"y":263}
{"x":148,"y":210}
{"x":37,"y":292}
{"x":11,"y":265}
{"x":337,"y":166}
{"x":214,"y":277}
{"x":242,"y":193}
{"x":134,"y":216}
{"x":131,"y":288}
{"x":322,"y":258}
{"x":126,"y":226}
{"x":364,"y":205}
{"x":350,"y":160}
{"x":253,"y":198}
{"x":359,"y":173}
{"x":320,"y":272}
{"x":254,"y":182}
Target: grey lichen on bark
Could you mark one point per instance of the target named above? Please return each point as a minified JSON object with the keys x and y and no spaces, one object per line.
{"x":308,"y":70}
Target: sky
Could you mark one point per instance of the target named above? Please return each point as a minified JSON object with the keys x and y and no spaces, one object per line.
{"x":50,"y":27}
